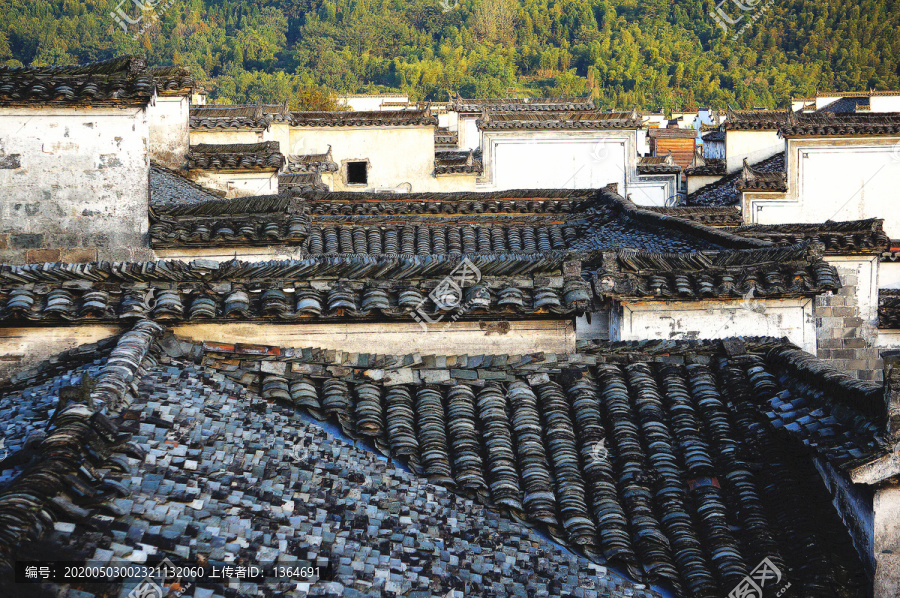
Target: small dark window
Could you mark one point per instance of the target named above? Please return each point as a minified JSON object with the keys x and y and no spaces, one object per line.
{"x":357,"y":173}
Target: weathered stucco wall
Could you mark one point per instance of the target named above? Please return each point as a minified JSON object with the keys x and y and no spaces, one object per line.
{"x":400,"y":158}
{"x":22,"y":348}
{"x":223,"y":254}
{"x":887,"y":540}
{"x":792,"y":318}
{"x":169,"y":132}
{"x":223,"y":136}
{"x":846,"y":321}
{"x":399,"y":338}
{"x":75,"y":184}
{"x":450,"y":183}
{"x":243,"y":183}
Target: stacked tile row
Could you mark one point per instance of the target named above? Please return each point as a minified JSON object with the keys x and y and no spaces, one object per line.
{"x":754,"y":281}
{"x":427,"y":240}
{"x":237,"y":231}
{"x":283,"y":302}
{"x":448,"y":206}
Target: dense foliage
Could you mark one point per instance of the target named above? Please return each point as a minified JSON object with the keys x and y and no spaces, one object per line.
{"x":647,"y":53}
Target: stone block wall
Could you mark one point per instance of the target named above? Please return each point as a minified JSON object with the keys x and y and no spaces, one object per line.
{"x":75,"y":185}
{"x":846,"y":321}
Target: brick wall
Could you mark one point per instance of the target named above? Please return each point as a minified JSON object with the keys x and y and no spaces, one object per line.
{"x":846,"y":321}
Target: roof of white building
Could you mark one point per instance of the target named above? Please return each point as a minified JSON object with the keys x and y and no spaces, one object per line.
{"x":500,"y":121}
{"x":124,"y":81}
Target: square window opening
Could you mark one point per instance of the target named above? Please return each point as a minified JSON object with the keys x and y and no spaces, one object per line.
{"x":357,"y":173}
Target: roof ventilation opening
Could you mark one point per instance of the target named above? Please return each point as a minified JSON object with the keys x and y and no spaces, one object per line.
{"x":357,"y":173}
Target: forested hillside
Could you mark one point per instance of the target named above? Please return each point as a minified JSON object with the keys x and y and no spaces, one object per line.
{"x":644,"y":53}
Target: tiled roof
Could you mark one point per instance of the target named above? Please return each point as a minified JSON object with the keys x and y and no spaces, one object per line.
{"x":516,"y":222}
{"x":211,"y":471}
{"x":286,"y":300}
{"x":828,"y":124}
{"x":244,"y":156}
{"x":847,"y":105}
{"x":501,"y":121}
{"x":841,"y":238}
{"x":701,"y":166}
{"x":724,"y":192}
{"x":711,"y":216}
{"x":673,"y":132}
{"x":169,"y":189}
{"x":631,"y":452}
{"x":717,"y":136}
{"x":310,"y":163}
{"x":889,"y":308}
{"x":585,"y":104}
{"x":305,"y":290}
{"x":238,"y":116}
{"x":684,"y":463}
{"x":770,"y":272}
{"x":444,"y":138}
{"x":538,"y":265}
{"x":172,"y":80}
{"x":301,"y":183}
{"x":384,"y":118}
{"x":460,"y":162}
{"x":275,"y":112}
{"x":753,"y":179}
{"x":658,"y":165}
{"x":256,"y":220}
{"x":744,"y":120}
{"x":77,"y":456}
{"x":524,"y":201}
{"x":124,"y":81}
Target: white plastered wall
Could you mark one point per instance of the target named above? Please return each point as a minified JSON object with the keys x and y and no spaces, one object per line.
{"x":238,"y":183}
{"x":753,"y":145}
{"x":558,"y":159}
{"x":400,"y":158}
{"x":835,"y":179}
{"x":685,"y":320}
